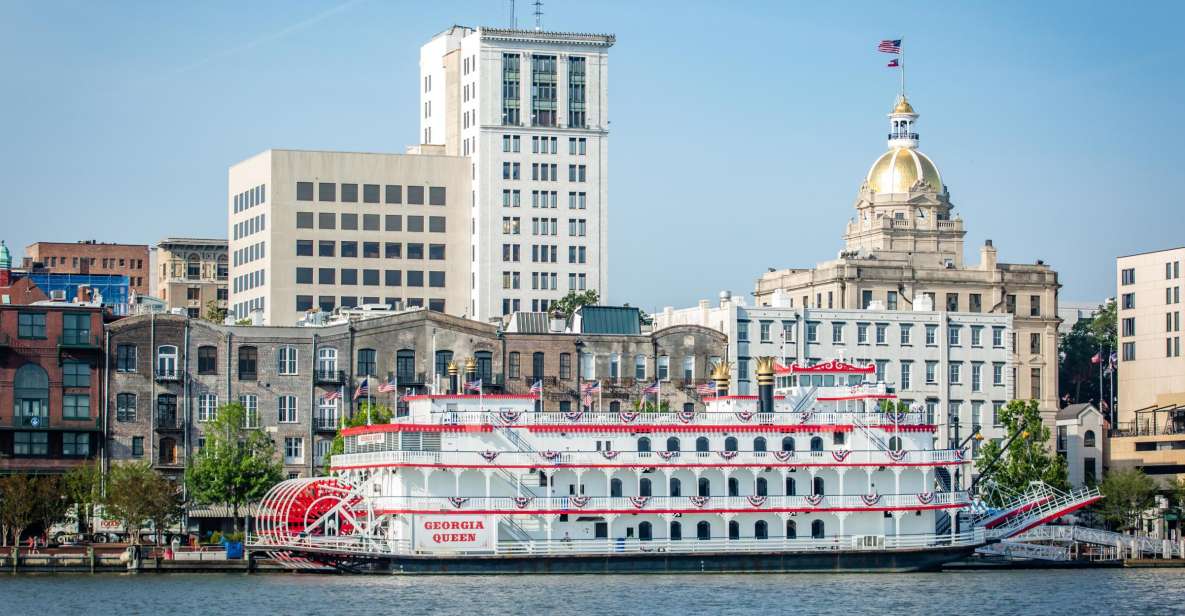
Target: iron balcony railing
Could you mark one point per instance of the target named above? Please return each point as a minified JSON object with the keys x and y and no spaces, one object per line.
{"x":329,"y":377}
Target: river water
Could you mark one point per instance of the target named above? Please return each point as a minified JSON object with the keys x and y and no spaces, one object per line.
{"x":1043,"y":592}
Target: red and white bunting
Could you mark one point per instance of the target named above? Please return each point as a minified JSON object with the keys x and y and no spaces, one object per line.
{"x":728,"y":455}
{"x":841,"y":454}
{"x":522,"y":501}
{"x":757,"y":501}
{"x":490,"y":456}
{"x":457,"y":501}
{"x":926,"y":498}
{"x":639,"y":501}
{"x":578,"y":502}
{"x":814,"y":499}
{"x":870,"y":499}
{"x":699,"y":501}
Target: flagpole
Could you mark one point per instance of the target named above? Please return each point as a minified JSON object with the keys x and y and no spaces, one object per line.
{"x":901,"y":55}
{"x":599,"y":390}
{"x":369,"y":406}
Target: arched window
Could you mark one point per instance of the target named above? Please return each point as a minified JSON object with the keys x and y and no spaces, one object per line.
{"x":730,"y":444}
{"x":734,"y":530}
{"x":703,"y":531}
{"x":734,"y":486}
{"x":615,"y":407}
{"x":676,"y":533}
{"x":31,"y":395}
{"x":701,"y":444}
{"x":405,"y":365}
{"x":791,"y":529}
{"x":326,"y":362}
{"x":644,"y":487}
{"x":644,"y":445}
{"x":672,"y":444}
{"x":193,"y":267}
{"x":645,"y":531}
{"x":762,"y":487}
{"x":676,"y":487}
{"x":791,"y":487}
{"x":760,"y":530}
{"x":166,"y":361}
{"x":615,"y":488}
{"x":895,"y":443}
{"x":1088,"y":439}
{"x":759,"y":443}
{"x":817,"y":529}
{"x":816,"y":443}
{"x":704,"y":486}
{"x":818,"y":486}
{"x":788,"y":443}
{"x":367,"y":362}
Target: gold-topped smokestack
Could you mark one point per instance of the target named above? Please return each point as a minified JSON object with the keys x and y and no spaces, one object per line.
{"x":721,"y":375}
{"x":453,"y":369}
{"x":765,"y":384}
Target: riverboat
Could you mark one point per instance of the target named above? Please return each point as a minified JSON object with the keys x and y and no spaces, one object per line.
{"x":817,"y":475}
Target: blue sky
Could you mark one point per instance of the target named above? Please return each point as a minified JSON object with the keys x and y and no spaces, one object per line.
{"x":740,"y":131}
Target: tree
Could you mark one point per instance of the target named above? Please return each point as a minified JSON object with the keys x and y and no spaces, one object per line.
{"x":368,"y":413}
{"x":1027,"y":459}
{"x":237,"y":466}
{"x":215,"y":313}
{"x":1103,"y":325}
{"x":83,"y":487}
{"x":568,"y":304}
{"x":1078,"y":376}
{"x":50,"y":501}
{"x":1126,"y":495}
{"x":136,"y":495}
{"x":18,"y":504}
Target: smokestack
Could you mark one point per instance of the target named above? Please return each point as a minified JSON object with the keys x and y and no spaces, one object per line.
{"x":765,"y":384}
{"x":721,"y":376}
{"x":470,"y":371}
{"x":452,"y":378}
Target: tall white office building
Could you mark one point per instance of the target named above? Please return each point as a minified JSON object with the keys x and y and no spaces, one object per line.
{"x":530,"y":109}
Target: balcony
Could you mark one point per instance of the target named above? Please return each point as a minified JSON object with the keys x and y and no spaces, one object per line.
{"x":326,"y":422}
{"x":168,"y":423}
{"x":329,"y":377}
{"x":167,"y":374}
{"x":80,"y":341}
{"x":409,"y":379}
{"x":37,"y":422}
{"x":903,"y":135}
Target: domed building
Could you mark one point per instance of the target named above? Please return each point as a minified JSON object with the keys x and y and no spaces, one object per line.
{"x":903,"y":250}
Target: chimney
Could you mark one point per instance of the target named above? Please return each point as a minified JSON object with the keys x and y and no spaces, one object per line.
{"x":987,"y":256}
{"x":765,"y":384}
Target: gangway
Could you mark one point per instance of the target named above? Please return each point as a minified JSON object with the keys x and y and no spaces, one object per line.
{"x":1046,"y":505}
{"x":1139,"y":545}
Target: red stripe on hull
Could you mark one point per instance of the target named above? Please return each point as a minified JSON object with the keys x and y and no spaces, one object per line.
{"x":665,"y":466}
{"x":639,"y":511}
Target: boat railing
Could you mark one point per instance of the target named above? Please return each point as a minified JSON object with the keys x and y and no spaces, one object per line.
{"x":659,"y":459}
{"x":516,"y":417}
{"x":643,"y":504}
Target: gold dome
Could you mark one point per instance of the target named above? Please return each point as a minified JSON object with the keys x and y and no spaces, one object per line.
{"x":897,"y":170}
{"x":903,"y":106}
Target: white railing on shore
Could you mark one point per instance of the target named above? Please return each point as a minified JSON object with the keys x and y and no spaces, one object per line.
{"x":516,"y":417}
{"x":642,"y":504}
{"x":1144,"y":545}
{"x":617,"y":546}
{"x":659,"y":459}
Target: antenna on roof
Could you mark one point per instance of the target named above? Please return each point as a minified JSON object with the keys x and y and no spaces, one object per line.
{"x":538,"y":15}
{"x":513,"y":22}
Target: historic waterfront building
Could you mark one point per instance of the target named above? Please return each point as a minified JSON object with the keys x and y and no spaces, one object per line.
{"x":191,"y":273}
{"x":530,"y":110}
{"x":168,"y":373}
{"x":906,"y":244}
{"x":1151,"y":375}
{"x":92,"y":257}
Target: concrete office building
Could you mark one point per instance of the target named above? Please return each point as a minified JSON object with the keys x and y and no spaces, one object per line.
{"x":530,"y":109}
{"x":190,"y":273}
{"x":906,"y":243}
{"x":91,"y":257}
{"x":957,"y":365}
{"x":1150,"y":427}
{"x":312,"y":229}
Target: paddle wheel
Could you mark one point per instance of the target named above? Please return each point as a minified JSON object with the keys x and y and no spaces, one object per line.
{"x":322,"y":517}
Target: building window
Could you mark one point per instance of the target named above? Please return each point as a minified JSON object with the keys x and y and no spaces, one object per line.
{"x":976,"y":335}
{"x":405,"y":365}
{"x":1129,"y":351}
{"x":931,"y":373}
{"x":137,"y":446}
{"x":931,"y":335}
{"x":577,"y":113}
{"x":304,"y":191}
{"x":1127,"y":276}
{"x":543,"y":90}
{"x":664,"y":367}
{"x":906,"y":333}
{"x":248,"y":363}
{"x":166,"y":361}
{"x":640,"y":367}
{"x":30,"y":443}
{"x":293,"y":450}
{"x":1129,"y":301}
{"x":31,"y":325}
{"x":76,"y":374}
{"x":286,"y":359}
{"x":207,"y":360}
{"x":861,"y":333}
{"x":565,"y":366}
{"x":953,"y":335}
{"x":286,"y":409}
{"x":367,"y":362}
{"x":125,"y":358}
{"x":207,"y":407}
{"x":1034,"y":305}
{"x":125,"y":407}
{"x":1035,"y":383}
{"x":513,"y":365}
{"x":250,"y":404}
{"x":76,"y":406}
{"x":1129,"y":326}
{"x":906,"y":375}
{"x":997,"y":337}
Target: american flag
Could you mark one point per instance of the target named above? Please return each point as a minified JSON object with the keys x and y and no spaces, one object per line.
{"x":591,"y":388}
{"x":890,"y":46}
{"x":389,"y":386}
{"x":537,"y":388}
{"x":652,"y":389}
{"x":333,"y":395}
{"x":473,"y":385}
{"x":705,"y":389}
{"x":587,"y":400}
{"x":362,"y":390}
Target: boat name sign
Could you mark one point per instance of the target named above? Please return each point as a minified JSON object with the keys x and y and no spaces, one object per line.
{"x":455,"y":533}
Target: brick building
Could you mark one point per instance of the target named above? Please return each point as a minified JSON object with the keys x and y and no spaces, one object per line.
{"x":91,"y":257}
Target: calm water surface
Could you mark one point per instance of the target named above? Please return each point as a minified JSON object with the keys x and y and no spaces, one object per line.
{"x":1082,"y":592}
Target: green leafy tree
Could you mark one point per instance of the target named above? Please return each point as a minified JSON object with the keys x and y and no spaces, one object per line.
{"x":129,"y":487}
{"x":215,"y":313}
{"x":18,"y":504}
{"x":367,"y":413}
{"x":1027,"y":459}
{"x":50,"y":501}
{"x":237,"y":466}
{"x":1103,"y":325}
{"x":83,"y":486}
{"x":568,"y":304}
{"x":1126,"y":495}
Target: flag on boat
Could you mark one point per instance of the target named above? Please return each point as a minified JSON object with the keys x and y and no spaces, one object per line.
{"x":473,"y":385}
{"x":537,"y":388}
{"x":652,"y":389}
{"x":889,"y":46}
{"x":706,"y":389}
{"x":362,"y":390}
